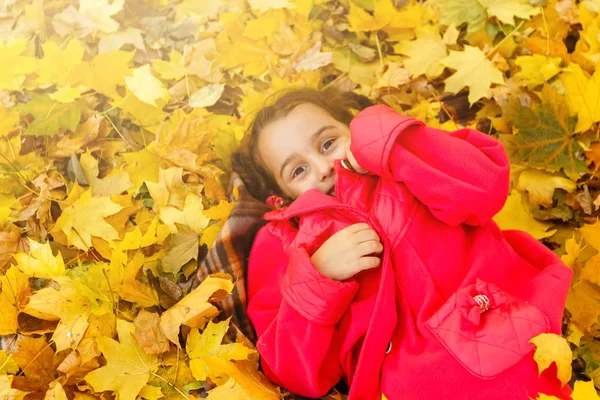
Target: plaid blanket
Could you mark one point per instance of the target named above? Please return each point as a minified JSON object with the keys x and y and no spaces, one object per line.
{"x":229,"y":253}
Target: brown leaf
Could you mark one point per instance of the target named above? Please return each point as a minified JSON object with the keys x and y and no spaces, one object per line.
{"x":35,"y":357}
{"x":9,"y":245}
{"x":148,"y":334}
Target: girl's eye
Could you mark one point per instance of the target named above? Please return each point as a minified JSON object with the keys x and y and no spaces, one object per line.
{"x":297,"y":172}
{"x":327,"y":145}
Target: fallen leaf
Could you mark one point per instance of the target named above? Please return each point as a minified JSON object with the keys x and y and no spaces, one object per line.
{"x":199,"y":346}
{"x":194,"y":309}
{"x":128,"y":367}
{"x":50,"y":116}
{"x":7,"y":364}
{"x":584,"y":391}
{"x":545,"y":137}
{"x":40,"y":262}
{"x":248,"y":383}
{"x":148,"y":334}
{"x":473,"y":70}
{"x":206,"y":96}
{"x":514,"y":216}
{"x":145,"y":86}
{"x":541,"y":186}
{"x":6,"y":390}
{"x":35,"y":357}
{"x":56,"y":392}
{"x":552,"y":348}
{"x":86,"y":218}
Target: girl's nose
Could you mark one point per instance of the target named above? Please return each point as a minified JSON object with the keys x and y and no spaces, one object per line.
{"x":325,"y":170}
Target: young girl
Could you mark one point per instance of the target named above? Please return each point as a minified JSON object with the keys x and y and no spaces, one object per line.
{"x":386,"y":269}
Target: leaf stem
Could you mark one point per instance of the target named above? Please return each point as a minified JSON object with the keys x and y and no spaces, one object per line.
{"x":379,"y":50}
{"x":170,"y":384}
{"x":495,"y":48}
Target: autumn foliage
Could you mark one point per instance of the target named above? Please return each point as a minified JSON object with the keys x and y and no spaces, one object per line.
{"x":117,"y":121}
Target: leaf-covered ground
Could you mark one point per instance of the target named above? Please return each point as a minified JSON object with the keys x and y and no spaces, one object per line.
{"x":117,"y":119}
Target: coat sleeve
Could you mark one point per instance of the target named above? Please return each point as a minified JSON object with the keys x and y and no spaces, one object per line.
{"x":295,"y":311}
{"x":461,"y":176}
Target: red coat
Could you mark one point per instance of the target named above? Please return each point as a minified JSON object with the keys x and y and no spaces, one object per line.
{"x":412,"y":328}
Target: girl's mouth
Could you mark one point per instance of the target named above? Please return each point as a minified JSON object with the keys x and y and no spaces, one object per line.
{"x":332,"y":192}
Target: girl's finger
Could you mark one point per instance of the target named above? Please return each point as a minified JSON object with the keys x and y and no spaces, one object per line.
{"x":368,"y":263}
{"x":355,"y":228}
{"x":369,"y":247}
{"x":366,"y":235}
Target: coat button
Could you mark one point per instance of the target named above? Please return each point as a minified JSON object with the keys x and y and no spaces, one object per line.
{"x":389,"y":348}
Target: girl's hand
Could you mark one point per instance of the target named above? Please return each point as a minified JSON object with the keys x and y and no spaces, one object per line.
{"x":355,"y":166}
{"x":349,"y":251}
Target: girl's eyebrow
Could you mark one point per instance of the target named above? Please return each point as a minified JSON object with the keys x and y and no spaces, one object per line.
{"x":312,"y":138}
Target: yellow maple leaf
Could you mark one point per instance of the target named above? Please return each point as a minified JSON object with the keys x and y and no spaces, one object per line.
{"x":15,"y":66}
{"x":104,"y":72}
{"x":552,"y":348}
{"x":140,"y":113}
{"x":264,"y":25}
{"x":143,"y":165}
{"x":582,"y":303}
{"x":194,"y":309}
{"x":572,"y":251}
{"x":583,"y":96}
{"x":199,"y":346}
{"x":14,"y":297}
{"x":85,"y":218}
{"x":473,"y":70}
{"x":58,"y":64}
{"x":541,"y":186}
{"x":40,"y":262}
{"x":507,"y":10}
{"x":128,"y":367}
{"x":537,"y":69}
{"x":56,"y":392}
{"x":114,"y":183}
{"x":245,"y":383}
{"x":156,"y":233}
{"x":7,"y":364}
{"x":145,"y":86}
{"x":424,"y":55}
{"x":584,"y":391}
{"x":6,"y":390}
{"x":543,"y":396}
{"x":149,"y":392}
{"x":169,"y":190}
{"x":134,"y":290}
{"x":218,"y":213}
{"x":591,"y":234}
{"x":591,"y":270}
{"x":514,"y":216}
{"x":265,"y":5}
{"x":9,"y":118}
{"x":192,"y":215}
{"x":67,"y":94}
{"x":72,"y":304}
{"x":173,"y":69}
{"x":360,"y":20}
{"x":115,"y":41}
{"x":99,"y":13}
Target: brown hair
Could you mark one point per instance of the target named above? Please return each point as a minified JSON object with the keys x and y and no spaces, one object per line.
{"x":248,"y":163}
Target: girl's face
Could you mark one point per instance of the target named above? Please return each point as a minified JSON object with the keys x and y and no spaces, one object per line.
{"x":299,"y":149}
